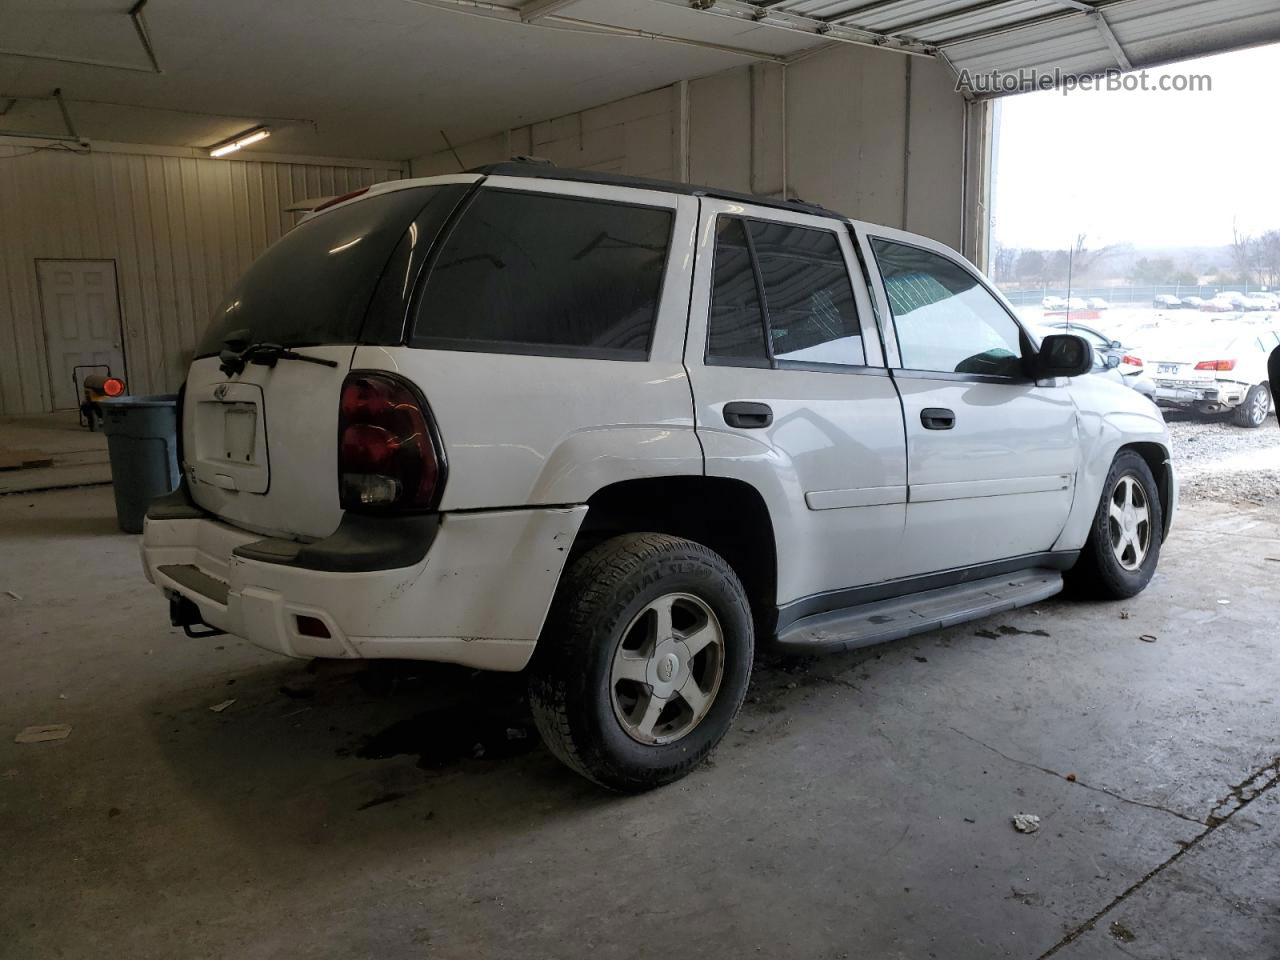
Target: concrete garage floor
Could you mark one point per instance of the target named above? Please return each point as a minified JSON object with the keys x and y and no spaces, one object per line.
{"x":860,"y":808}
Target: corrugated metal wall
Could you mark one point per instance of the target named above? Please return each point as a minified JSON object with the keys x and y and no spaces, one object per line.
{"x":870,"y":133}
{"x":180,"y":230}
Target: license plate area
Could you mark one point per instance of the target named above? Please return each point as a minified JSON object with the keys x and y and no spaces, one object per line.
{"x":239,"y":431}
{"x":228,"y":447}
{"x":1167,"y":368}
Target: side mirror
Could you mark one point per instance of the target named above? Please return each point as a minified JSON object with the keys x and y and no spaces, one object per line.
{"x":1116,"y":345}
{"x":1063,"y":355}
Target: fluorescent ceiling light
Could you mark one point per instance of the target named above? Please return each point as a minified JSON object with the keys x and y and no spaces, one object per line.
{"x":239,"y":141}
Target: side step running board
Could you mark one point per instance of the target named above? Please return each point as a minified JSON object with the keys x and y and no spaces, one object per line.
{"x":886,"y":620}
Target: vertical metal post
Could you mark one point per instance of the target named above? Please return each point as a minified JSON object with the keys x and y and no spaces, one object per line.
{"x":682,"y":131}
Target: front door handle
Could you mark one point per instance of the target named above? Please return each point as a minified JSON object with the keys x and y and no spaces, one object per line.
{"x":937,"y":418}
{"x":747,"y":414}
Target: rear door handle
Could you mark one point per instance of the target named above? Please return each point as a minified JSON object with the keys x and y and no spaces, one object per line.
{"x":937,"y":418}
{"x":747,"y":414}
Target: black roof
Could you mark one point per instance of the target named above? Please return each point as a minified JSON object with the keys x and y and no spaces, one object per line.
{"x":549,"y":171}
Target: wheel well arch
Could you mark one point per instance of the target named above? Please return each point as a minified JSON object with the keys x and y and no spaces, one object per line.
{"x":1158,"y":460}
{"x":729,"y":516}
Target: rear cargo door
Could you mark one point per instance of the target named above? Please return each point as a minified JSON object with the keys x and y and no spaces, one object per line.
{"x":260,"y":448}
{"x":260,"y":440}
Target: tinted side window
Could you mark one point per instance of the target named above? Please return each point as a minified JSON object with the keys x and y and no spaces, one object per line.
{"x":736,"y":324}
{"x":544,"y":274}
{"x":807,"y":294}
{"x":945,"y":319}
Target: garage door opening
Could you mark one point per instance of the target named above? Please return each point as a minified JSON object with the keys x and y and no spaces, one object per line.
{"x":1143,"y":216}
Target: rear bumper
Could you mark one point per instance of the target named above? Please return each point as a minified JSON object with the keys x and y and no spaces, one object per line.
{"x":1214,"y":395}
{"x":477,"y":596}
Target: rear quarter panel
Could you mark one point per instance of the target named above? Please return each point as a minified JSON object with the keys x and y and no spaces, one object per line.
{"x":522,"y":430}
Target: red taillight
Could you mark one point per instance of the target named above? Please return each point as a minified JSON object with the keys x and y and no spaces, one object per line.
{"x":342,"y":199}
{"x":1216,"y":365}
{"x":387,"y":446}
{"x":1131,"y":360}
{"x":113,"y":386}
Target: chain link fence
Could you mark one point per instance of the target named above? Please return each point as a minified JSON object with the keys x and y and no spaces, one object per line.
{"x":1021,"y":296}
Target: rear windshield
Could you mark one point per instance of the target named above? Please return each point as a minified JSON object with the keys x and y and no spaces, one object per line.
{"x":313,"y":285}
{"x":536,"y":273}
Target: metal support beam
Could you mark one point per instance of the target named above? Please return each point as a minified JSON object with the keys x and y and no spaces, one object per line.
{"x":798,"y":23}
{"x":66,"y":115}
{"x":535,"y":10}
{"x":1112,"y":41}
{"x":965,"y":89}
{"x":1017,"y":25}
{"x":140,"y":25}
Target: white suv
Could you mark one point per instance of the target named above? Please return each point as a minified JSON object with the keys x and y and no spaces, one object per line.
{"x":615,"y":431}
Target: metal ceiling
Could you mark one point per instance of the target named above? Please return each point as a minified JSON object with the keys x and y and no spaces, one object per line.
{"x":1009,"y":36}
{"x":384,"y":78}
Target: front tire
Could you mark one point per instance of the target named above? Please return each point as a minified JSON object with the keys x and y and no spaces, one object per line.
{"x":1123,"y":549}
{"x":1252,"y":411}
{"x":644,"y":661}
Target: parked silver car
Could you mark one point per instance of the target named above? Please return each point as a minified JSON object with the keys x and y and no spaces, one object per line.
{"x":1112,"y":358}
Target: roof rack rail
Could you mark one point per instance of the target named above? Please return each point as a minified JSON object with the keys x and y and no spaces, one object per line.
{"x":539,"y":168}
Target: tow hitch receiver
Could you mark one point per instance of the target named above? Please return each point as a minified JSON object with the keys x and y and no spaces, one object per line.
{"x":185,"y":614}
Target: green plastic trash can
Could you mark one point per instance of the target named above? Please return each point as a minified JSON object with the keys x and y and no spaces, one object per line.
{"x":142,"y":441}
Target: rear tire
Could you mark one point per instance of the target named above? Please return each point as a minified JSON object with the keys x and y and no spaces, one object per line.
{"x":1252,"y":411}
{"x":644,"y":661}
{"x":1123,"y":549}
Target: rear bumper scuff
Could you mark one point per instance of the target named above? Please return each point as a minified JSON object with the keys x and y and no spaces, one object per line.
{"x":476,"y":595}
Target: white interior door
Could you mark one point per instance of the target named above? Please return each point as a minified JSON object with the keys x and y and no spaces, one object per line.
{"x":81,"y":322}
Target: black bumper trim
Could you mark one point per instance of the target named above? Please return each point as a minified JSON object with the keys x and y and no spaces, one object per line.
{"x":197,"y":581}
{"x":361,"y":544}
{"x":175,"y":506}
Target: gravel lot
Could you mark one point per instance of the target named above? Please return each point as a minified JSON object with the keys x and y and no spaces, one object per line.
{"x":1217,"y":460}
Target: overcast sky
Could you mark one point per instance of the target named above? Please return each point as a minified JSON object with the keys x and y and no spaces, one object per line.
{"x":1148,"y":168}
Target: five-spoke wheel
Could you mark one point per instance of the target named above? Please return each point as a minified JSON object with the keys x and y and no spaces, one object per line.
{"x":644,"y":660}
{"x":1129,"y":522}
{"x":667,"y":669}
{"x":1123,"y":548}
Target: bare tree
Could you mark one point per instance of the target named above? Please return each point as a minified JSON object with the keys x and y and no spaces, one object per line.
{"x":1243,"y":253}
{"x":1269,"y":258}
{"x":1083,"y":260}
{"x":1002,"y":263}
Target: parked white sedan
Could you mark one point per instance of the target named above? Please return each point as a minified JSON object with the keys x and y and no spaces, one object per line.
{"x":1215,"y":368}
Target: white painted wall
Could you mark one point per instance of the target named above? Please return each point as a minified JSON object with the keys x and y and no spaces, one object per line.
{"x":180,"y":228}
{"x":872,"y":134}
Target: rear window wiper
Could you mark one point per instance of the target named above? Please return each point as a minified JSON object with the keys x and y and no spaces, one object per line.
{"x":239,"y":353}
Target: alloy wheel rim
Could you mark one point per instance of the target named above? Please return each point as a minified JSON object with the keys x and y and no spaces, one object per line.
{"x":1129,"y":522}
{"x":1261,"y":405}
{"x":667,"y":669}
